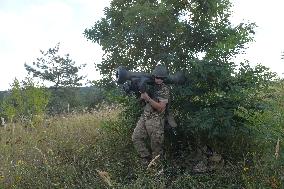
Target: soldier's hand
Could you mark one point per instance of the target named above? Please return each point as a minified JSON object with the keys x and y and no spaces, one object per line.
{"x":145,"y":96}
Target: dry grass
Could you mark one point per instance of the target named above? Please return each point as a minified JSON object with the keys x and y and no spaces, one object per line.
{"x":55,"y":141}
{"x":84,"y":150}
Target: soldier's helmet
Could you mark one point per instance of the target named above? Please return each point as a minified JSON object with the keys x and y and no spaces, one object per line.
{"x":160,"y":71}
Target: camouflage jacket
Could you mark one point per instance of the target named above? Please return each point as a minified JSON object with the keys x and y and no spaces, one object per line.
{"x":160,"y":93}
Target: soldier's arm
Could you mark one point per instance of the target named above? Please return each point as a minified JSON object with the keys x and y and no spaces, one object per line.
{"x":159,"y":106}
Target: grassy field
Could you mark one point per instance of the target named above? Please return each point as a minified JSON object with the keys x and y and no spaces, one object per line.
{"x":94,"y":150}
{"x":48,"y":156}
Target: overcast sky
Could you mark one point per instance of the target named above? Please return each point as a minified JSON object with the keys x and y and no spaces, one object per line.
{"x":28,"y":26}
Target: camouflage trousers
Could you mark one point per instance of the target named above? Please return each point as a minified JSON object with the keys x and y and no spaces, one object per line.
{"x":152,"y":128}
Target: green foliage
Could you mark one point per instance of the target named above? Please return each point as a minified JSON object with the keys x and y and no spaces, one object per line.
{"x":213,"y":96}
{"x":26,"y":102}
{"x":237,"y":110}
{"x":14,"y":100}
{"x":62,"y":73}
{"x":2,"y":94}
{"x":69,"y":152}
{"x":58,"y":70}
{"x":64,"y":99}
{"x":90,"y":97}
{"x":139,"y":34}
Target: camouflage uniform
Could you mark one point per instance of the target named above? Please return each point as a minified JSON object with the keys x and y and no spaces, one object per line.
{"x":151,"y":124}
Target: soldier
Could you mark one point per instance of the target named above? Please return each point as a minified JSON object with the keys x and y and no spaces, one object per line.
{"x":151,"y":122}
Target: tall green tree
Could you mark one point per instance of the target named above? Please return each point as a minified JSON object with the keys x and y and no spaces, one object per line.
{"x":60,"y":71}
{"x":138,"y":34}
{"x":197,"y":37}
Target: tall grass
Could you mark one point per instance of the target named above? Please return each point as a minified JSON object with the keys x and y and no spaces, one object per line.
{"x":94,"y":150}
{"x":49,"y":155}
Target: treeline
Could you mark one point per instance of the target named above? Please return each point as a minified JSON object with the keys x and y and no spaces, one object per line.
{"x":29,"y":103}
{"x":52,"y":86}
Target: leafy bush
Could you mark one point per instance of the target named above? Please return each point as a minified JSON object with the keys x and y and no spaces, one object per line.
{"x":198,"y":39}
{"x":75,"y":151}
{"x":26,"y":103}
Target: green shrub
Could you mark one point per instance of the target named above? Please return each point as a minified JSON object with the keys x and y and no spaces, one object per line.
{"x":26,"y":103}
{"x":71,"y":151}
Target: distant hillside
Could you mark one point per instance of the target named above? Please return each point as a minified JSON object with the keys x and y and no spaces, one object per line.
{"x":3,"y":94}
{"x":67,"y":99}
{"x":83,"y":90}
